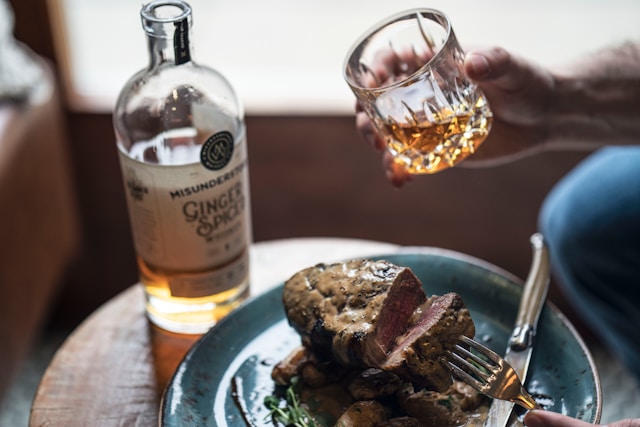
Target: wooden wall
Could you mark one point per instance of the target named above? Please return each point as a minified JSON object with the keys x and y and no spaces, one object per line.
{"x":313,"y":176}
{"x":310,"y":176}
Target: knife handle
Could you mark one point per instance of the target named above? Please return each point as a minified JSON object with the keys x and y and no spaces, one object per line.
{"x":534,"y":295}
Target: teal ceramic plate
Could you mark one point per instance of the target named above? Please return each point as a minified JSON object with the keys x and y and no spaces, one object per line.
{"x":224,"y":378}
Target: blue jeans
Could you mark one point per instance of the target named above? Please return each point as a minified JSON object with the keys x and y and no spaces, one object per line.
{"x":591,"y":222}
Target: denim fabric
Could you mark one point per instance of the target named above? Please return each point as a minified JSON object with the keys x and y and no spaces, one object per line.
{"x":591,"y":222}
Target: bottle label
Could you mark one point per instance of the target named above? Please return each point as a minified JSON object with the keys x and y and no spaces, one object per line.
{"x":217,"y":151}
{"x":181,"y":42}
{"x":189,"y":218}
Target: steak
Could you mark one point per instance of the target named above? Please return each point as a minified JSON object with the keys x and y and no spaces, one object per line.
{"x":417,"y":353}
{"x":365,"y":313}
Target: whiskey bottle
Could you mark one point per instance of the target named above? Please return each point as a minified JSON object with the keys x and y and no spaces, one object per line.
{"x":182,"y":146}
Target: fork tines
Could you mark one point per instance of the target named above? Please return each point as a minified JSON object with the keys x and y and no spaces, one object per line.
{"x":487,"y":372}
{"x":469,"y":366}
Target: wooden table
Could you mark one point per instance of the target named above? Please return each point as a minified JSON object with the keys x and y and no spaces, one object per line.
{"x":112,"y":370}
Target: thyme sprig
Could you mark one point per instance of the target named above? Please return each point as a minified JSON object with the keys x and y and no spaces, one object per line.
{"x":291,"y":414}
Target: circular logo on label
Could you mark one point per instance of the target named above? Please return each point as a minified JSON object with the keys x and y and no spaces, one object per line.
{"x":217,"y":151}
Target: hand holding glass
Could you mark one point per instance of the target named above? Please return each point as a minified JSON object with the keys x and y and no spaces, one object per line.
{"x":408,"y":75}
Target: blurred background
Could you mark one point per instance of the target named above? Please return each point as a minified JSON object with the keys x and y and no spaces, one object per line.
{"x":311,"y":175}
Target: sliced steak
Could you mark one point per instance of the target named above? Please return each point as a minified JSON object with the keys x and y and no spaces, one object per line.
{"x":374,"y":383}
{"x":417,"y":353}
{"x":375,"y":314}
{"x":352,"y":311}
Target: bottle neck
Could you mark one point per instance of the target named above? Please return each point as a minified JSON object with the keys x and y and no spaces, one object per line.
{"x":167,"y":24}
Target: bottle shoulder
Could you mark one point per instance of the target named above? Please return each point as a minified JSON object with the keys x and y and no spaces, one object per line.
{"x":189,"y":82}
{"x":166,"y":106}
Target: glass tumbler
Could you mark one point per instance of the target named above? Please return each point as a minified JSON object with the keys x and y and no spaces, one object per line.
{"x":407,"y":73}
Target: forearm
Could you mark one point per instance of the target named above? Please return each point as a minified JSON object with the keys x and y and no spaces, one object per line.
{"x":597,"y":102}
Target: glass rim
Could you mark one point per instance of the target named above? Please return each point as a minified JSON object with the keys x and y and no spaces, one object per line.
{"x":383,"y":23}
{"x":148,"y":11}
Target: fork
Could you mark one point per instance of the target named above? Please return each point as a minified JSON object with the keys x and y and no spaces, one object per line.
{"x":487,"y":372}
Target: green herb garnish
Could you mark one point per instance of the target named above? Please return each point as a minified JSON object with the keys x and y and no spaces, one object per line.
{"x":447,"y":403}
{"x":291,"y":414}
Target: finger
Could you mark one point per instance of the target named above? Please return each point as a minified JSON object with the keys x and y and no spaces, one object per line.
{"x":368,"y":132}
{"x":396,"y":173}
{"x":551,"y":419}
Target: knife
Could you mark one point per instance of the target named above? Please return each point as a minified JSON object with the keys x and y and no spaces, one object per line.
{"x":520,"y":345}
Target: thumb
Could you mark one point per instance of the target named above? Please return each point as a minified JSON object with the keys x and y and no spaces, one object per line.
{"x":497,"y":66}
{"x":518,"y":90}
{"x":539,"y":418}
